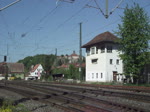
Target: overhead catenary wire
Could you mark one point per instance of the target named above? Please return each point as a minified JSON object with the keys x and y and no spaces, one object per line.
{"x":107,"y":25}
{"x":72,"y":16}
{"x":59,"y":48}
{"x":62,"y":24}
{"x":5,"y":23}
{"x":106,"y":15}
{"x":99,"y":8}
{"x":42,"y":19}
{"x":116,"y":7}
{"x":10,"y":35}
{"x":9,"y":5}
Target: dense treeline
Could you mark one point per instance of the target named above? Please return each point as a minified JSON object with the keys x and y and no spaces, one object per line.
{"x":50,"y":63}
{"x":46,"y":60}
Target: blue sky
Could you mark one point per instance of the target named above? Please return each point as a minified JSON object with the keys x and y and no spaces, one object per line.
{"x":33,"y":27}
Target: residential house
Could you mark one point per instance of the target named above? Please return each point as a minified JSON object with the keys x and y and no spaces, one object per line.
{"x":12,"y":69}
{"x":36,"y":71}
{"x":103,"y":63}
{"x":73,"y":58}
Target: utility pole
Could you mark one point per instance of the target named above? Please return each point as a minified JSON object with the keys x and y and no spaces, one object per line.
{"x":80,"y":44}
{"x":56,"y":57}
{"x":56,"y":52}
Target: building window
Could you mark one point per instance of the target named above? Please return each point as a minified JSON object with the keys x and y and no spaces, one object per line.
{"x":101,"y":75}
{"x":97,"y":75}
{"x":88,"y":52}
{"x":117,"y":61}
{"x":111,"y":61}
{"x":96,"y":50}
{"x":93,"y":50}
{"x":109,"y":49}
{"x":94,"y":61}
{"x":102,"y":49}
{"x":92,"y":75}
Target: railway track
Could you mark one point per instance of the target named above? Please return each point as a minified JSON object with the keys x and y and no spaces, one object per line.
{"x":57,"y":100}
{"x":73,"y":98}
{"x":114,"y":93}
{"x":131,"y":95}
{"x":137,"y":89}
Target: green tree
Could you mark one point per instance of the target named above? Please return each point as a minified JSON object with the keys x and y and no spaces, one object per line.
{"x":47,"y":65}
{"x":135,"y":34}
{"x":37,"y":59}
{"x":73,"y":72}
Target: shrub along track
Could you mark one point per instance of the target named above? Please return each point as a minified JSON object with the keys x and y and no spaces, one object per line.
{"x":72,"y":98}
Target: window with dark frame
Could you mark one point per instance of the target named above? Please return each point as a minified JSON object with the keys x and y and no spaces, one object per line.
{"x":96,"y":50}
{"x":93,"y":50}
{"x":117,"y":61}
{"x":97,"y":75}
{"x":111,"y":61}
{"x":101,"y":75}
{"x":102,"y":49}
{"x":88,"y":52}
{"x":94,"y":61}
{"x":92,"y":75}
{"x":109,"y":49}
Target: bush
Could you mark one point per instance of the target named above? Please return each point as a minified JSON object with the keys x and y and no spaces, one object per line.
{"x":8,"y":106}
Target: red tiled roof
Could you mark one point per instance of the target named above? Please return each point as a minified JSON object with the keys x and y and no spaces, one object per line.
{"x":35,"y":67}
{"x":75,"y":64}
{"x":64,"y":66}
{"x":74,"y":54}
{"x":103,"y":37}
{"x":78,"y":65}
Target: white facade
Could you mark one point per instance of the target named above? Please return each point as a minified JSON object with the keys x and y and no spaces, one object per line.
{"x":103,"y":63}
{"x":36,"y":71}
{"x":73,"y":58}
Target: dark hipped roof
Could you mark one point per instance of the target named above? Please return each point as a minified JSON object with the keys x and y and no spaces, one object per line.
{"x":103,"y":37}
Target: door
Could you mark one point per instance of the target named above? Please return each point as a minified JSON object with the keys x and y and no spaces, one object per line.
{"x":114,"y":76}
